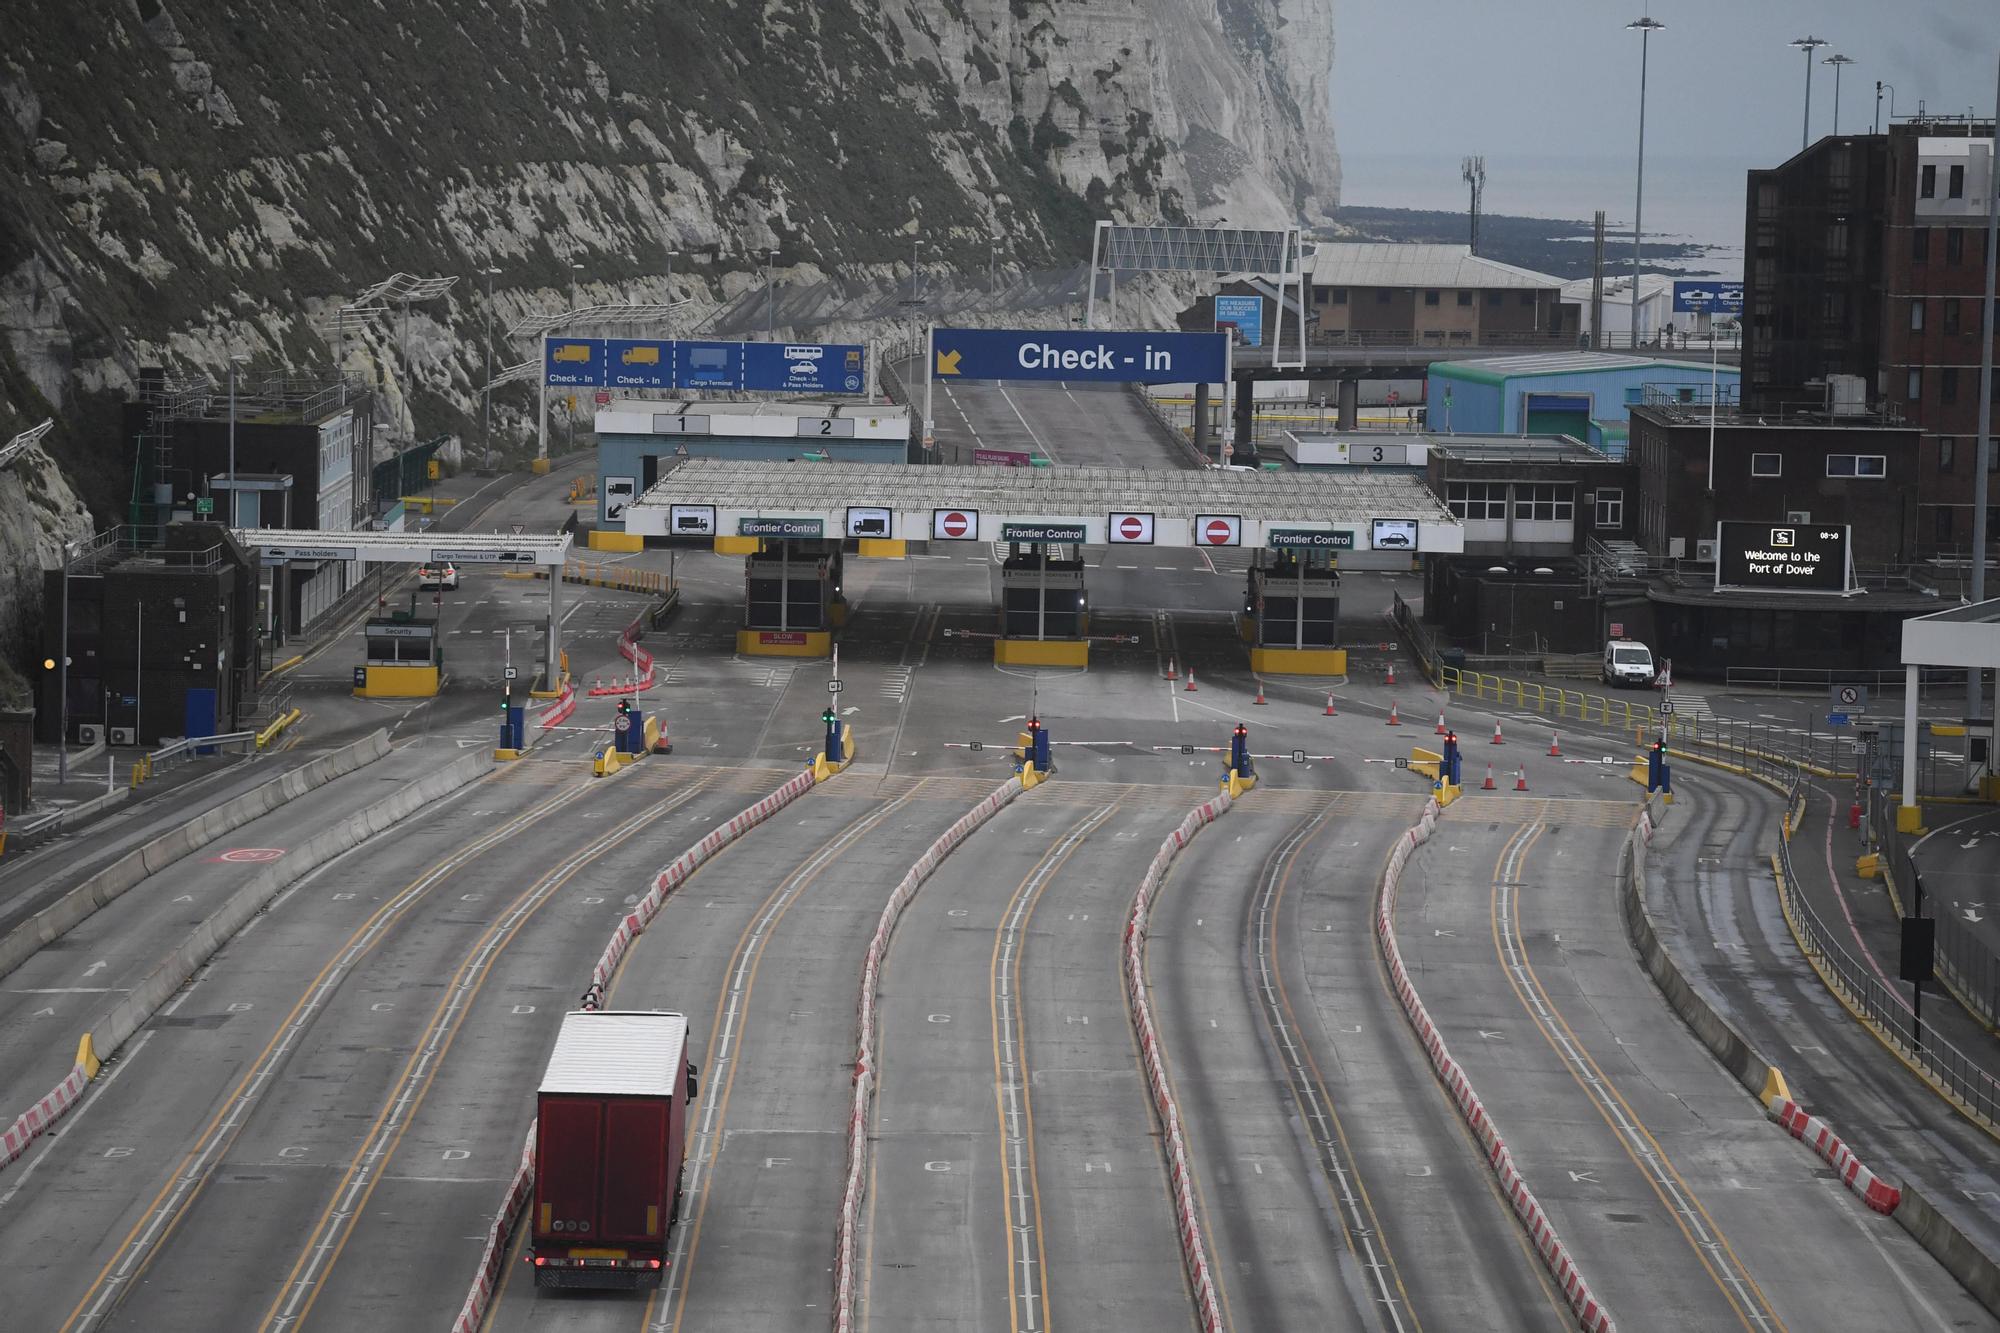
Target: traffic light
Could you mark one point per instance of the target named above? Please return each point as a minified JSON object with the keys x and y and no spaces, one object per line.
{"x":827,"y":717}
{"x":624,"y":705}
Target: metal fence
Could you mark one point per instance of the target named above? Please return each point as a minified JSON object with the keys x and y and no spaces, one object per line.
{"x":1794,"y":679}
{"x":1964,"y":962}
{"x":1961,"y":1077}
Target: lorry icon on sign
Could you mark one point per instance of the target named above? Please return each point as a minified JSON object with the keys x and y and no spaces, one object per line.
{"x":636,"y":356}
{"x":573,"y":352}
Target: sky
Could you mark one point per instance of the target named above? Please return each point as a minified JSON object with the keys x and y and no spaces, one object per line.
{"x":1547,"y":91}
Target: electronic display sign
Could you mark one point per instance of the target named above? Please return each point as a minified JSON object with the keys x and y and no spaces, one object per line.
{"x":1785,"y":557}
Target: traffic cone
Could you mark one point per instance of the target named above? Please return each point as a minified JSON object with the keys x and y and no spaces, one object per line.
{"x":1488,"y":784}
{"x":1171,"y":673}
{"x":1260,"y":692}
{"x":1394,"y":720}
{"x":1190,"y":684}
{"x":1521,"y":778}
{"x":1441,"y":727}
{"x":1496,"y":735}
{"x":1329,"y":704}
{"x":1390,"y":679}
{"x":1555,"y":746}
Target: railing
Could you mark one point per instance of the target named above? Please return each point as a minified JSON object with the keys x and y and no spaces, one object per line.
{"x":1418,"y":634}
{"x":189,"y":747}
{"x":1962,"y":1079}
{"x":1964,"y":962}
{"x":1754,"y":743}
{"x":1551,"y":701}
{"x":1796,"y":678}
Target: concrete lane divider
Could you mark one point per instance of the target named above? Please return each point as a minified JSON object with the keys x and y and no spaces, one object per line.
{"x":1583,"y":1303}
{"x":472,"y":1313}
{"x":864,"y":1041}
{"x":81,"y":902}
{"x":1194,"y":1247}
{"x":159,"y":985}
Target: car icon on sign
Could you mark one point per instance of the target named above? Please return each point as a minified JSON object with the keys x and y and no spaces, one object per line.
{"x":1393,"y":539}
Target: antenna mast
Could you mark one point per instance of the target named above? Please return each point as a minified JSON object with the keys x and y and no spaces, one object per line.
{"x":1473,"y":171}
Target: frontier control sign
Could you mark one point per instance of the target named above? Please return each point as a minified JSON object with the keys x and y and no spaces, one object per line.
{"x":1786,"y":557}
{"x":793,"y":528}
{"x":1067,"y":354}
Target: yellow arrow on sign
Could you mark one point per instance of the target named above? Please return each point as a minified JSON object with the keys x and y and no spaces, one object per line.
{"x":947,"y":363}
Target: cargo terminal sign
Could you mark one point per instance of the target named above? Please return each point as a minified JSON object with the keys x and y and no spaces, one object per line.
{"x":1783,"y":557}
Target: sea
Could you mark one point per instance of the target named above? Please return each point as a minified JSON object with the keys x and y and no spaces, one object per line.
{"x":1698,"y":200}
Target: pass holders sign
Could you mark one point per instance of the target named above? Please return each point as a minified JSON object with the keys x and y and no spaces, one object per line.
{"x":278,"y":555}
{"x":691,"y":520}
{"x":1243,"y":316}
{"x":804,"y":367}
{"x":1309,"y":539}
{"x":1129,"y":529}
{"x":573,"y":361}
{"x":1044,"y":533}
{"x":1070,"y":354}
{"x":1218,"y":530}
{"x":954,"y":525}
{"x":781,"y":528}
{"x":632,"y":363}
{"x":1788,"y":557}
{"x":869,"y":521}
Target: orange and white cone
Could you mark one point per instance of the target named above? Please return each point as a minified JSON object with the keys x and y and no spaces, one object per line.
{"x":1260,"y":693}
{"x":1441,"y":729}
{"x":1390,"y":679}
{"x":1488,"y":784}
{"x":1190,"y":684}
{"x":1394,"y":720}
{"x":1555,"y":746}
{"x":1521,"y":778}
{"x":1497,"y":740}
{"x":1329,"y":705}
{"x":1171,"y":673}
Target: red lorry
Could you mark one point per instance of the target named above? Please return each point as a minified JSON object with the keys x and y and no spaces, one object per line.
{"x":612,"y":1124}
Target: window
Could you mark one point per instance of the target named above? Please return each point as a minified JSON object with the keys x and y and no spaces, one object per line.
{"x":1943,"y":525}
{"x":1857,"y":465}
{"x":1338,"y":296}
{"x":1767,"y":465}
{"x":1954,"y":245}
{"x":1914,"y":390}
{"x":1465,"y":298}
{"x":1947,"y":453}
{"x":1382,"y":295}
{"x":1544,"y":503}
{"x":1610,"y":507}
{"x":1956,"y":189}
{"x":1494,"y":298}
{"x":1477,"y":501}
{"x":1927,"y":189}
{"x":1917,"y":316}
{"x":1920,"y":245}
{"x":1948,"y":385}
{"x":1951,"y":316}
{"x":1430,"y":298}
{"x":1634,"y":394}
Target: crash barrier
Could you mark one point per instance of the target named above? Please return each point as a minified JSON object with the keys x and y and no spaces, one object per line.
{"x":595,"y":574}
{"x":559,"y":711}
{"x":1194,"y":1247}
{"x":486,"y":1281}
{"x":1816,"y":1134}
{"x":76,"y":906}
{"x":1551,"y":701}
{"x":1589,"y":1311}
{"x":663,"y":610}
{"x":864,"y":1041}
{"x":192,"y":747}
{"x":642,"y":665}
{"x":278,"y":724}
{"x":473,"y":1312}
{"x":128,"y":1015}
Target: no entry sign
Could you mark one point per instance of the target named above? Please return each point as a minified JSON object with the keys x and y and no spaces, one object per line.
{"x":1218,"y":530}
{"x":955,"y":525}
{"x":1130,"y":529}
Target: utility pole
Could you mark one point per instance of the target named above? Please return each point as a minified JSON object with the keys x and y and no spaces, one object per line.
{"x":486,"y":392}
{"x":1973,"y":677}
{"x":1473,"y":171}
{"x":1597,"y":288}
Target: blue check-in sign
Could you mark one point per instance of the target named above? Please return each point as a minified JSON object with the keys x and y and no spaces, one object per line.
{"x":639,"y":363}
{"x":573,"y":361}
{"x":1067,"y":354}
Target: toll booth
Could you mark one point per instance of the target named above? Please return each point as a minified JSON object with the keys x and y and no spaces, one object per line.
{"x":1292,"y":612}
{"x":404,"y":655}
{"x":792,"y":601}
{"x":1044,"y":606}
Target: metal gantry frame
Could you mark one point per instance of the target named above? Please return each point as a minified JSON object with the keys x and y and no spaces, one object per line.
{"x":10,"y":450}
{"x":631,"y":313}
{"x":1277,"y":252}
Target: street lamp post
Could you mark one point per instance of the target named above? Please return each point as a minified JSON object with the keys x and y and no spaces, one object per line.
{"x":1808,"y":44}
{"x":574,"y":269}
{"x":62,"y":665}
{"x":234,"y":361}
{"x":916,"y":240}
{"x":1837,"y":60}
{"x":486,"y":392}
{"x":672,"y":255}
{"x":1645,"y":27}
{"x":770,"y":294}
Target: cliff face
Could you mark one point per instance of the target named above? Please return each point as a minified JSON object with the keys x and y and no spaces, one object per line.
{"x":193,"y":179}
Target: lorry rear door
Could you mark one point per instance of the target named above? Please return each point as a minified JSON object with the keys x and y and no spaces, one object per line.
{"x":637,"y":1204}
{"x":569,"y":1162}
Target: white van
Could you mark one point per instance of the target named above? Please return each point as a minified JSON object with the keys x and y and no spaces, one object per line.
{"x":1628,"y":662}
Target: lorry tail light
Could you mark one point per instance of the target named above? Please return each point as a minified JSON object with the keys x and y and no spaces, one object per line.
{"x":539,"y":1261}
{"x":655,"y":1262}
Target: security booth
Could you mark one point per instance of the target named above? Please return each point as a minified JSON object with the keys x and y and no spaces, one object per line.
{"x":1292,"y":604}
{"x":404,"y":655}
{"x":1044,"y":607}
{"x":791,"y":588}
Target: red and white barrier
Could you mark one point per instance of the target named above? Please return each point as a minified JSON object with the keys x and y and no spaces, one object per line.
{"x":473,"y":1313}
{"x":1194,"y":1248}
{"x":559,"y":711}
{"x":1590,"y":1312}
{"x":864,"y":1041}
{"x":642,"y":665}
{"x":1816,"y":1134}
{"x":35,"y":1121}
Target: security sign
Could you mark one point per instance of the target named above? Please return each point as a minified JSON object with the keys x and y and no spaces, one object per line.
{"x":955,"y":525}
{"x":1129,"y":529}
{"x":1218,"y":530}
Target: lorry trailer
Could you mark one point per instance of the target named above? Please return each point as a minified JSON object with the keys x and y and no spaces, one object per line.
{"x":610,"y":1130}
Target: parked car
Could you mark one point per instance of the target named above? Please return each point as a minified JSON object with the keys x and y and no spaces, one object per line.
{"x":443,"y":577}
{"x":1628,"y":662}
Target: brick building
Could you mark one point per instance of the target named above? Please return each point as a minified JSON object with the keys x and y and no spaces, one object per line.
{"x":1432,"y":295}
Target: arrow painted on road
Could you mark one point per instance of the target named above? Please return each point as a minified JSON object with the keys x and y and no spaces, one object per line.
{"x":94,"y":968}
{"x":947,"y":363}
{"x":1973,"y":916}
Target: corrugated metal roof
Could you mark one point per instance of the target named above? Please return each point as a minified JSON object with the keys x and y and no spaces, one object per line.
{"x":1495,"y":369}
{"x":618,"y":1051}
{"x":1391,"y":264}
